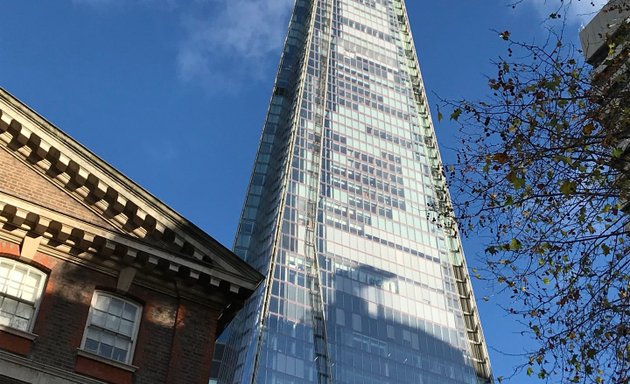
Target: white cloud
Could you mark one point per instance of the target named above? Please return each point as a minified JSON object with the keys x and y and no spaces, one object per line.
{"x":230,"y":42}
{"x":574,"y":11}
{"x":225,"y":43}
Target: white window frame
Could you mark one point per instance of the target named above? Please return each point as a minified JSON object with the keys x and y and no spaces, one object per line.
{"x":43,"y":277}
{"x":136,"y":325}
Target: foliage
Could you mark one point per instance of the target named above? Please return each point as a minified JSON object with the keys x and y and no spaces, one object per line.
{"x":540,"y":175}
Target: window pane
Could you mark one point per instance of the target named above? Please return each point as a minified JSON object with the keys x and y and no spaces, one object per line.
{"x":12,"y":288}
{"x":32,"y":280}
{"x":28,"y":293}
{"x":30,"y":287}
{"x":9,"y":305}
{"x":18,"y":323}
{"x":107,"y":338}
{"x":105,"y":350}
{"x":91,"y":345}
{"x":126,"y":328}
{"x":24,"y":311}
{"x":93,"y":334}
{"x":99,"y":318}
{"x":122,"y":343}
{"x":112,"y":323}
{"x":129,"y":312}
{"x":102,"y":302}
{"x":120,"y":354}
{"x":4,"y":271}
{"x":17,"y":274}
{"x":115,"y":307}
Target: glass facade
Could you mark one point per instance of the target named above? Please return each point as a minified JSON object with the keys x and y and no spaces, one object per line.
{"x":366,"y":283}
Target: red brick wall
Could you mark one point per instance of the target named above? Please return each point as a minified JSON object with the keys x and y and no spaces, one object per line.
{"x":18,"y":179}
{"x":100,"y":370}
{"x":175,"y":337}
{"x":9,"y":248}
{"x":191,"y":358}
{"x":63,"y":312}
{"x":155,"y":336}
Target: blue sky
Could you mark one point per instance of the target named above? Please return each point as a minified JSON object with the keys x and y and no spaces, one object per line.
{"x":173,"y":93}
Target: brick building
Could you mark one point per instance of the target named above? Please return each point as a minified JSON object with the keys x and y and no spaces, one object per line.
{"x":99,"y":280}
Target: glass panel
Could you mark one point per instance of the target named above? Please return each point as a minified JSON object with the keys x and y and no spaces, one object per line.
{"x":18,"y":323}
{"x":129,"y":312}
{"x":105,"y":350}
{"x":25,"y":311}
{"x":17,"y":274}
{"x":91,"y":345}
{"x":13,"y":288}
{"x":30,"y":287}
{"x":99,"y":318}
{"x":32,"y":280}
{"x":4,"y":271}
{"x":119,"y":354}
{"x":122,"y":343}
{"x":107,"y":338}
{"x":116,"y":306}
{"x":28,"y":293}
{"x":93,"y":333}
{"x":102,"y":302}
{"x":112,"y":323}
{"x":126,"y":328}
{"x":9,"y":305}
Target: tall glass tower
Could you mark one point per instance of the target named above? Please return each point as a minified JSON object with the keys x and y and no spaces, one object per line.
{"x":366,"y":282}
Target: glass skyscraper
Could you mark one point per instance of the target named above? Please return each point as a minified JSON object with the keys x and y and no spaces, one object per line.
{"x":366,"y":281}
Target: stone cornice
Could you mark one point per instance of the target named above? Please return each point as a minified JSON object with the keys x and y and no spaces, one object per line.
{"x":81,"y":237}
{"x":112,"y":196}
{"x":22,"y":368}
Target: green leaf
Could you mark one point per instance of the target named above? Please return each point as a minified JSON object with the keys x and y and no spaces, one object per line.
{"x":500,"y":157}
{"x":518,"y":183}
{"x":546,"y":280}
{"x":515,"y":245}
{"x":530,"y":371}
{"x":536,"y":329}
{"x":455,"y":114}
{"x":567,"y":187}
{"x":440,"y":116}
{"x":588,"y":128}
